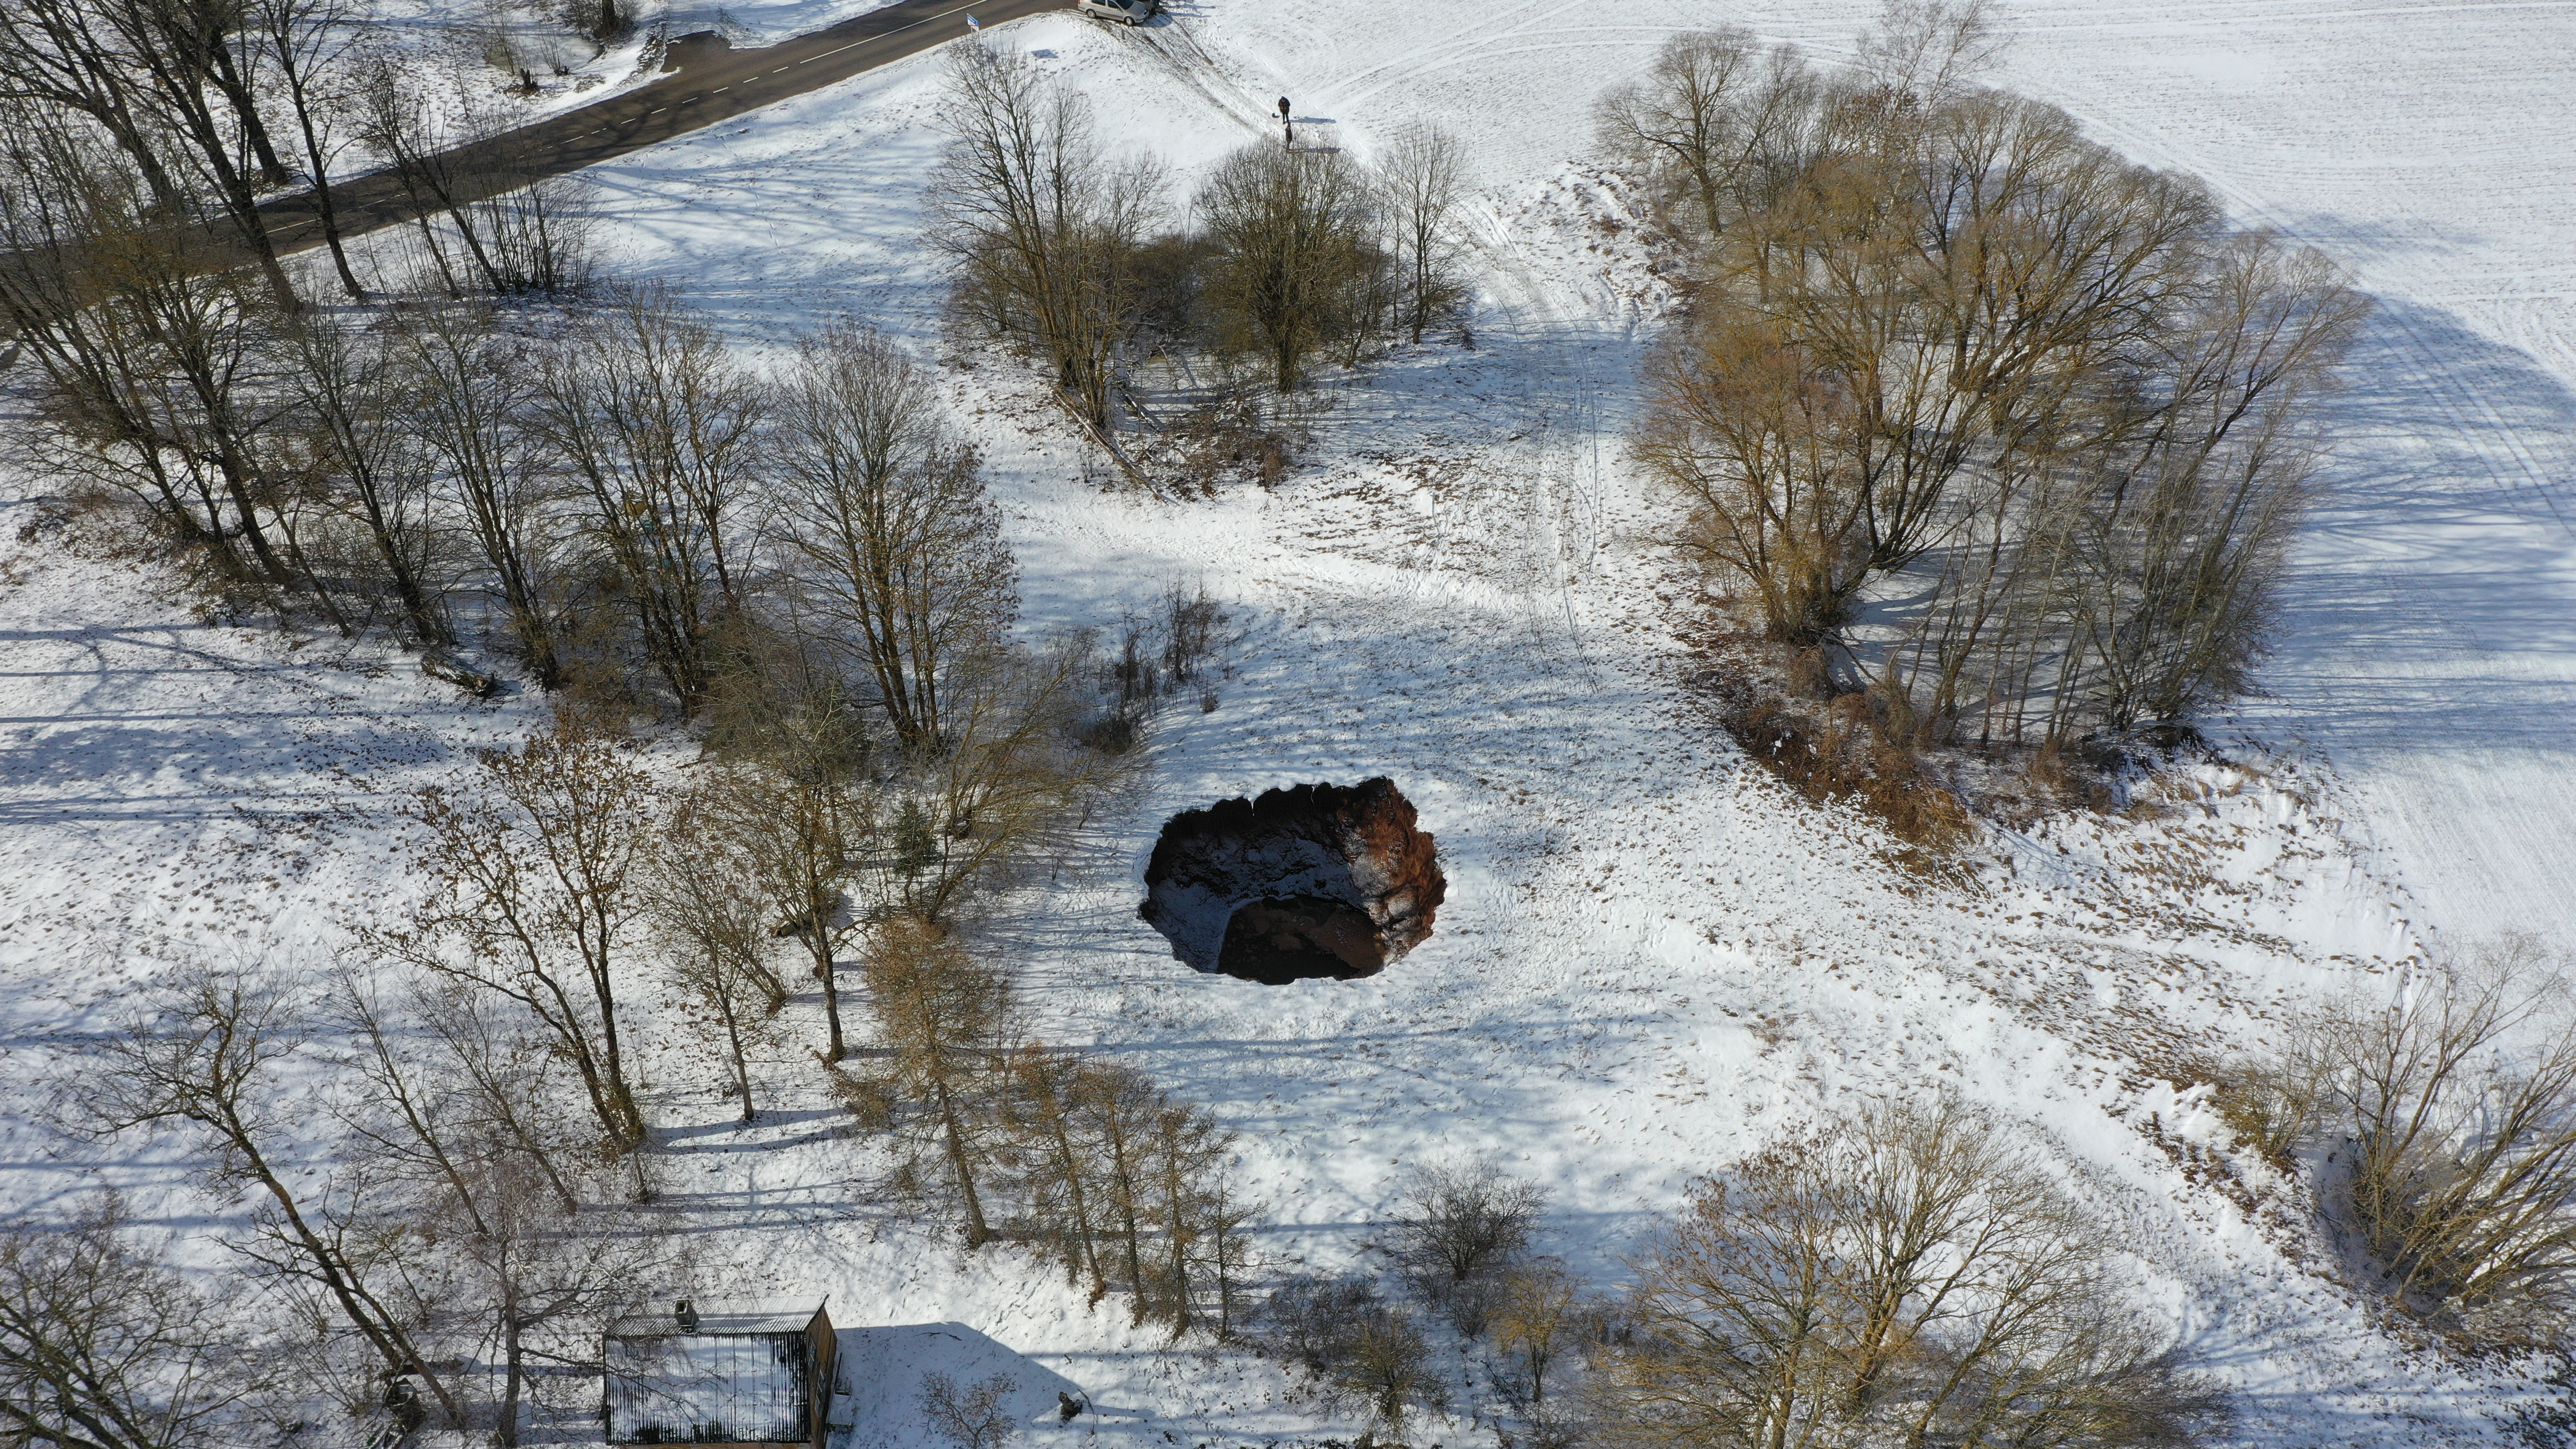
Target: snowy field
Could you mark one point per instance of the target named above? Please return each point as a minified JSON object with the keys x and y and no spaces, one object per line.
{"x":1652,"y":959}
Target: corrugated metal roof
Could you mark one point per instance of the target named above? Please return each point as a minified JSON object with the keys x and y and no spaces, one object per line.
{"x":735,"y":1385}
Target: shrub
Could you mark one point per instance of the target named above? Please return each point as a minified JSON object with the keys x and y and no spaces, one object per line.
{"x":2457,"y":1099}
{"x":1468,"y":1216}
{"x":1361,"y":1352}
{"x":1843,"y":760}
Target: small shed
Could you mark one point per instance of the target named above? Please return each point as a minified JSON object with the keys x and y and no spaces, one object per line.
{"x":739,"y":1377}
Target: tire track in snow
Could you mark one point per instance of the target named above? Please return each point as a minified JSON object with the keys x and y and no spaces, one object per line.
{"x":2455,"y":392}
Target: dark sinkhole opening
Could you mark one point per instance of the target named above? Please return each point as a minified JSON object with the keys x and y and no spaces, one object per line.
{"x":1318,"y":882}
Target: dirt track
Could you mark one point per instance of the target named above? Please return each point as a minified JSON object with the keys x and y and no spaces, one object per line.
{"x":711,"y":85}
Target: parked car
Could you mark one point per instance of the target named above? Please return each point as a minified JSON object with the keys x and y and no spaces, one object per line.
{"x":1132,"y":12}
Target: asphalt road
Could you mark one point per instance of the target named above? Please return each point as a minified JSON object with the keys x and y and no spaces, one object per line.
{"x":712,"y":85}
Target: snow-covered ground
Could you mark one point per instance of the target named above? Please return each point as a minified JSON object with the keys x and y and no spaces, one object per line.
{"x":1652,"y":959}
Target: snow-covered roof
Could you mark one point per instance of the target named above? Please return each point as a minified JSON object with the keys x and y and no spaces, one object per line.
{"x":711,"y":1322}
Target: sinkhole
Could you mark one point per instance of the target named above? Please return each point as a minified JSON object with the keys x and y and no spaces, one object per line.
{"x":1310,"y":883}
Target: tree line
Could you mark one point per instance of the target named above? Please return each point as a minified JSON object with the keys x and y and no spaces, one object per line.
{"x":2006,"y":430}
{"x":610,"y":491}
{"x":1082,"y":1159}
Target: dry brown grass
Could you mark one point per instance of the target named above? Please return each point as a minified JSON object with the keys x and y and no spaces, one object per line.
{"x":1848,"y":757}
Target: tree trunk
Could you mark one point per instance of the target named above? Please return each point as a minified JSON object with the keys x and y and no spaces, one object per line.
{"x":733,"y":1039}
{"x":513,"y":1372}
{"x":378,"y":1326}
{"x":977,"y":1232}
{"x":325,"y":206}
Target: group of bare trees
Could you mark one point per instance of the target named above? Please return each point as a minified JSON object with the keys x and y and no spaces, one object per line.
{"x":1061,"y":247}
{"x":299,"y":454}
{"x":1083,"y":1160}
{"x":1945,"y":350}
{"x":1910,"y":1277}
{"x":2440,"y":1126}
{"x":365,"y":466}
{"x":624,"y":499}
{"x":459,"y":1241}
{"x":445,"y":1138}
{"x":207,"y":109}
{"x":1905,"y":1276}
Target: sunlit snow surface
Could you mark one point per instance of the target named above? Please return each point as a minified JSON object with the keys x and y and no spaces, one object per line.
{"x":1650,"y":961}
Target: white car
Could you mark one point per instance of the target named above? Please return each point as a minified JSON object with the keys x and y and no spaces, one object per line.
{"x":1133,"y":12}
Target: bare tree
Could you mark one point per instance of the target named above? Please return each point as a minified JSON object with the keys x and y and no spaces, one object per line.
{"x":1040,"y":226}
{"x":53,"y":56}
{"x":542,"y":1282}
{"x":1421,"y":178}
{"x":1931,"y":50}
{"x":1464,"y":1216}
{"x":1127,"y":1186}
{"x":308,"y":46}
{"x":1909,"y":1276}
{"x":2182,"y":544}
{"x":1748,"y":428}
{"x":533,"y":867}
{"x":207,"y":1059}
{"x":1715,"y":128}
{"x":1225,"y":1212}
{"x":431,"y":162}
{"x":349,"y":428}
{"x":707,"y":904}
{"x":489,"y":1239}
{"x":652,"y":415}
{"x":802,"y":832}
{"x":2458,"y":1098}
{"x":1065,"y":1202}
{"x":514,"y":1080}
{"x":104,"y":1346}
{"x":1291,"y":236}
{"x":948,"y":1021}
{"x":1117,"y":1107}
{"x":180,"y":56}
{"x":1187,"y":1153}
{"x":404,"y":1113}
{"x":799,"y":808}
{"x":1536,"y":1316}
{"x":467,"y":391}
{"x":889,"y":511}
{"x":1012,"y":783}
